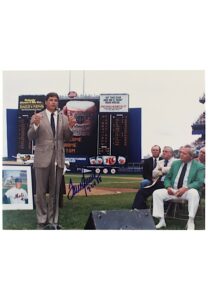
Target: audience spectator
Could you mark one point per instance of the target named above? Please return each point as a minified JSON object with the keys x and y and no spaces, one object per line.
{"x":199,"y":143}
{"x":200,"y":120}
{"x":158,"y":174}
{"x":149,"y":165}
{"x":201,"y":156}
{"x":184,"y":180}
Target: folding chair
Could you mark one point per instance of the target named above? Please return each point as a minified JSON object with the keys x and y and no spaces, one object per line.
{"x":175,"y":205}
{"x":182,"y":204}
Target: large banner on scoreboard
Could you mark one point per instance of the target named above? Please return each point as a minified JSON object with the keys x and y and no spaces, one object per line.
{"x":84,"y":139}
{"x":114,"y":103}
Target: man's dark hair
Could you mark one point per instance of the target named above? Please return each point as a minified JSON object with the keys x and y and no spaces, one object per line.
{"x":156,"y":146}
{"x":18,"y":179}
{"x":52,"y":94}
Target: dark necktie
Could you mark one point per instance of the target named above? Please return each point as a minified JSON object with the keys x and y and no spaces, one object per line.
{"x":165,"y":163}
{"x":181,"y":178}
{"x":53,"y":123}
{"x":155,"y":163}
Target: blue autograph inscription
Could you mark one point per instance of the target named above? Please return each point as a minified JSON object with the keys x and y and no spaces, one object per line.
{"x":86,"y":183}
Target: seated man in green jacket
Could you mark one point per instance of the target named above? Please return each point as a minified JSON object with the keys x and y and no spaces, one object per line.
{"x":184,"y":180}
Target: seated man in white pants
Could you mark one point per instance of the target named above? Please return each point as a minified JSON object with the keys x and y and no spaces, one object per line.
{"x":184,"y":180}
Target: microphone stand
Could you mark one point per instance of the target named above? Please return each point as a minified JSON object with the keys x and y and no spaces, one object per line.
{"x":56,"y":204}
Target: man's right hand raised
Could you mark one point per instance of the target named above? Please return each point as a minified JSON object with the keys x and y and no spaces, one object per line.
{"x":36,"y":119}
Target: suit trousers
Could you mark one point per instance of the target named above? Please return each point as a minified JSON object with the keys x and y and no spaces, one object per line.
{"x":159,"y":196}
{"x":145,"y":182}
{"x":143,"y":194}
{"x":48,"y":179}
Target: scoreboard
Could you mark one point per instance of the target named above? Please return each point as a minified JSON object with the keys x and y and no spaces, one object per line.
{"x":120,"y":134}
{"x":113,"y":125}
{"x":104,"y":143}
{"x":113,"y":134}
{"x":27,"y":106}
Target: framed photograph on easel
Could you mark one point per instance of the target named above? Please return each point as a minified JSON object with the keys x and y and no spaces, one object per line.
{"x":17,"y":187}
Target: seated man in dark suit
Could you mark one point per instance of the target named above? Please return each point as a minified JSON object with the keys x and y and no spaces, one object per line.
{"x":184,"y":180}
{"x":149,"y":165}
{"x":158,"y":174}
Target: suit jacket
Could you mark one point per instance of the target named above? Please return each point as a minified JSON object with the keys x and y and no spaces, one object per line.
{"x":46,"y":143}
{"x":160,"y":165}
{"x":195,"y":178}
{"x":148,"y":168}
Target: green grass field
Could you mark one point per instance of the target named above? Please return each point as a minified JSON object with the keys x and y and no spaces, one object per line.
{"x":75,"y":212}
{"x":117,"y":181}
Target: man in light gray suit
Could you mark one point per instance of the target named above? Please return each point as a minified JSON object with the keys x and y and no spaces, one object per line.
{"x":49,"y":129}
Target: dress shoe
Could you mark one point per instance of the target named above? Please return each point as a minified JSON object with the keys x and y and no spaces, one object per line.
{"x":190,"y":225}
{"x":50,"y":227}
{"x":41,"y":226}
{"x":161,"y":224}
{"x":58,"y":226}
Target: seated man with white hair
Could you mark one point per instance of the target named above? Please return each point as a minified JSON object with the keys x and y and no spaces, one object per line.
{"x":184,"y":180}
{"x":202,"y":156}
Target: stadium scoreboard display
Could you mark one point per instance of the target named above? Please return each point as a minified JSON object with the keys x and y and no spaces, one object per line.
{"x":27,"y":106}
{"x":120,"y":134}
{"x":113,"y":124}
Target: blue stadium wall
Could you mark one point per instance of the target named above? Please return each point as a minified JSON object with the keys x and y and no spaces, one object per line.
{"x":12,"y":117}
{"x":135,"y":129}
{"x":135,"y":115}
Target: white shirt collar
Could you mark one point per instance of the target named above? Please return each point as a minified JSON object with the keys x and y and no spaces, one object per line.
{"x":49,"y":112}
